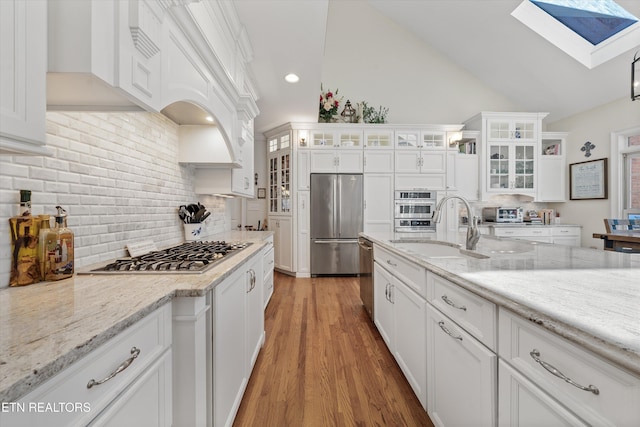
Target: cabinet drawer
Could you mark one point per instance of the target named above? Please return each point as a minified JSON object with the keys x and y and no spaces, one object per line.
{"x":473,"y":313}
{"x":566,"y":231}
{"x":522,"y":232}
{"x":151,"y":335}
{"x":413,"y":275}
{"x":616,"y":403}
{"x":268,"y":261}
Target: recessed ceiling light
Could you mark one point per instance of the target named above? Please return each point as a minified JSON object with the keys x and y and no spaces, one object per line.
{"x":292,"y":78}
{"x":209,"y":118}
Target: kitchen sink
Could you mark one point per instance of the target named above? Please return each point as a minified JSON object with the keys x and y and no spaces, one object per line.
{"x":436,"y":249}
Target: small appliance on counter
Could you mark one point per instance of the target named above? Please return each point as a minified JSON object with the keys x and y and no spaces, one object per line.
{"x":504,"y":215}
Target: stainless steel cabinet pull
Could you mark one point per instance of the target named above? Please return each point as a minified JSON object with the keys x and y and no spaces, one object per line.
{"x":448,"y":332}
{"x":535,"y":355}
{"x":453,"y":304}
{"x":386,"y":291}
{"x":391,"y":263}
{"x":124,"y":365}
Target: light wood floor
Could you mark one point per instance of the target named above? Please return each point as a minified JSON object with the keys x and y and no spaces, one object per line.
{"x":324,"y":363}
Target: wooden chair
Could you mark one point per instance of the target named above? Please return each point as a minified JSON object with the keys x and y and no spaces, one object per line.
{"x":613,"y":225}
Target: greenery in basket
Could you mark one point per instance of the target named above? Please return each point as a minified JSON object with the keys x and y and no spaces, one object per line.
{"x":370,"y":115}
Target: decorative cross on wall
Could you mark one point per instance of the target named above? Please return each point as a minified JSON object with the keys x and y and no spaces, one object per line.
{"x":587,"y":147}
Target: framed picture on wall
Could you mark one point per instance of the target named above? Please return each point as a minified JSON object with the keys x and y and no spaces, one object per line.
{"x":262,"y":193}
{"x":588,"y":180}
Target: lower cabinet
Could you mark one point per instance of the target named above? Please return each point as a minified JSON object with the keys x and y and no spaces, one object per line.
{"x":461,"y":375}
{"x":145,"y":401}
{"x":238,"y":334}
{"x":282,"y":228}
{"x":127,"y":378}
{"x":267,"y":274}
{"x":398,"y":313}
{"x":523,"y":404}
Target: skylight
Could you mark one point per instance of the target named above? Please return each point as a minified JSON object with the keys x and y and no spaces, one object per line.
{"x":594,"y":21}
{"x":591,"y":31}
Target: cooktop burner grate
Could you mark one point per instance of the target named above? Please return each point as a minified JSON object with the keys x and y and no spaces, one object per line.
{"x":190,"y":257}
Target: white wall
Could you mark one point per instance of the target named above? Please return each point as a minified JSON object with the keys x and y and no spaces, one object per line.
{"x":596,"y":126}
{"x":369,"y":57}
{"x":118,"y":177}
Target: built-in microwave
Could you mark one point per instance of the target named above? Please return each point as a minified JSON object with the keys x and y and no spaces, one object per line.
{"x":413,"y":210}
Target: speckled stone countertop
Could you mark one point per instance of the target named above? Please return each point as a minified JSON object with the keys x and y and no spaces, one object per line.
{"x":590,"y":297}
{"x":47,"y":326}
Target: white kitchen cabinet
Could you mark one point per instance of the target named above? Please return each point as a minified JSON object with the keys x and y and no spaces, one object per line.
{"x":268,"y":265}
{"x":567,"y":236}
{"x":420,"y":159}
{"x":23,"y":49}
{"x":146,"y":402}
{"x":459,"y":369}
{"x":143,"y":353}
{"x":399,"y":312}
{"x":378,"y":139}
{"x":303,"y":251}
{"x":552,"y":175}
{"x":595,"y":391}
{"x":522,"y":403}
{"x":302,"y":170}
{"x":279,"y":170}
{"x":378,"y":202}
{"x":463,"y":167}
{"x":238,"y":333}
{"x":535,"y":234}
{"x":123,"y":50}
{"x":336,"y":161}
{"x":508,"y":151}
{"x":282,"y":241}
{"x":378,"y":161}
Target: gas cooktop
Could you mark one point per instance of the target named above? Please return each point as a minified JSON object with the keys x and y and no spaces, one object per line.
{"x":189,"y":257}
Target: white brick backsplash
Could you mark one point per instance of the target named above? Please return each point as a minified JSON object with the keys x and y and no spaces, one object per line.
{"x":117,"y":176}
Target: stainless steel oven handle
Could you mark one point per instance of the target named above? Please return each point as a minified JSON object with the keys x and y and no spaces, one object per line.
{"x":135,"y":352}
{"x":535,"y":355}
{"x":326,"y":241}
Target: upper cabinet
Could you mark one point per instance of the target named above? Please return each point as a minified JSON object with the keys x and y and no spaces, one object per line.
{"x":23,"y":49}
{"x":105,"y":54}
{"x":553,"y":167}
{"x":509,"y":159}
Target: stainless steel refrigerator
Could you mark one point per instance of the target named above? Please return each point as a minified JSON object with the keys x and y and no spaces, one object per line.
{"x":336,"y":220}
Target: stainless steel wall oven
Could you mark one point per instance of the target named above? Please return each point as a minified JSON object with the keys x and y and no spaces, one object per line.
{"x":413,"y":210}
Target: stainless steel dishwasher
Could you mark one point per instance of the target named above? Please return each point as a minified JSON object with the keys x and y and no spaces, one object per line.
{"x":366,"y":274}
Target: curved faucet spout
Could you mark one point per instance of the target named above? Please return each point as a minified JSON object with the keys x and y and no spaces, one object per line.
{"x":473,"y":233}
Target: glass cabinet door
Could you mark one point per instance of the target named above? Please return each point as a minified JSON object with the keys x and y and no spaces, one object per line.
{"x":524,"y":162}
{"x":499,"y":166}
{"x":273,"y":184}
{"x":285,"y":183}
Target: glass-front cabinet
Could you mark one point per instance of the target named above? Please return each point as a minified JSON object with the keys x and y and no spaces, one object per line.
{"x":512,"y":166}
{"x":509,"y":152}
{"x":279,"y":163}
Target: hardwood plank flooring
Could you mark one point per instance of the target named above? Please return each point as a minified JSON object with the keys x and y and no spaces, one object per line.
{"x":324,"y":363}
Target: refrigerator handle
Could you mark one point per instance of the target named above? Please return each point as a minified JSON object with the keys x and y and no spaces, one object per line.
{"x":336,"y":208}
{"x":337,"y":205}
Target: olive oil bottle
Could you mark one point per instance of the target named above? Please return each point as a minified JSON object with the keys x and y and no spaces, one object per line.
{"x":58,"y":249}
{"x":25,"y":268}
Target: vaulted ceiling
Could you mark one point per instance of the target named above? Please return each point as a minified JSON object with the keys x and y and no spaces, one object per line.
{"x":480,"y":36}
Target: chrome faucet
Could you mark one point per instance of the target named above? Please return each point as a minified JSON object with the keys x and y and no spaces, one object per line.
{"x":473,"y":234}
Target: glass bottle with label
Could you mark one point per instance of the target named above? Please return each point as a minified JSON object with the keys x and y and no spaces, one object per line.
{"x":25,"y":268}
{"x":59,"y":249}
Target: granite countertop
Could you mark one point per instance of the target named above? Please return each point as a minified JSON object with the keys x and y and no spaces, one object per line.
{"x":590,"y":297}
{"x":47,"y":326}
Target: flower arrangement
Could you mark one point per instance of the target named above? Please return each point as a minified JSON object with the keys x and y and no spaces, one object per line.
{"x":329,"y":103}
{"x":370,"y":115}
